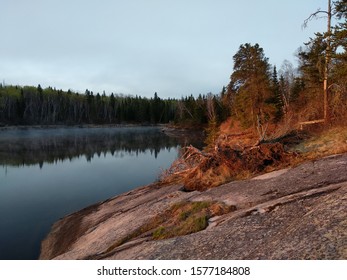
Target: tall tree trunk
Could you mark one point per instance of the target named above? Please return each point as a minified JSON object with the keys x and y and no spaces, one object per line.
{"x":327,"y":63}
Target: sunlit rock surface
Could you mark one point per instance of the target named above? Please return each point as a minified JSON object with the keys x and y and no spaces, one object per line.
{"x":297,"y":213}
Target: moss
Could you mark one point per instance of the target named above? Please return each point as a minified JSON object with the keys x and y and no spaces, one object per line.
{"x":159,"y":233}
{"x":187,"y":217}
{"x":199,"y":205}
{"x":181,"y":218}
{"x":194,"y":224}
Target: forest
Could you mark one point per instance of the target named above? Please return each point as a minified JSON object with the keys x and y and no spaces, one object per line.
{"x":258,"y":94}
{"x":316,"y":90}
{"x":31,"y":105}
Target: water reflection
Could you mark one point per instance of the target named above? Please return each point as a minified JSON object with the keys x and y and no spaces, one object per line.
{"x":38,"y":146}
{"x":89,"y":165}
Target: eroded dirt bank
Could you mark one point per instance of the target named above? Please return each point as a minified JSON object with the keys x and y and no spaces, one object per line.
{"x":297,"y":213}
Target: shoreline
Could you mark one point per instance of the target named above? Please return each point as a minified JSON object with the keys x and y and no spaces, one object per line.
{"x":43,"y":147}
{"x":261,"y":210}
{"x":181,"y":132}
{"x":58,"y":126}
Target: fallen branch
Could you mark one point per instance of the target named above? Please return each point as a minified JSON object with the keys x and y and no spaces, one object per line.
{"x":310,"y":122}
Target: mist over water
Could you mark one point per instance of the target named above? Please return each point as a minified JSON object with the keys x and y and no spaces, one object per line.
{"x":46,"y":174}
{"x":40,"y":146}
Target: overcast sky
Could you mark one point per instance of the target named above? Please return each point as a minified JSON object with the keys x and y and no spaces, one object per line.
{"x":173,"y":47}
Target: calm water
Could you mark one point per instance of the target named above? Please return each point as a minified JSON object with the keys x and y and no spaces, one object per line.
{"x":46,"y":174}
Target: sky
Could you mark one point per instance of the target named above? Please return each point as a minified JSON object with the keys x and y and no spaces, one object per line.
{"x":138,"y":47}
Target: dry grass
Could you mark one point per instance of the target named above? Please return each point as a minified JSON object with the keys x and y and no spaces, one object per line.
{"x":180,"y":219}
{"x":235,"y":155}
{"x":187,"y":217}
{"x":325,"y":143}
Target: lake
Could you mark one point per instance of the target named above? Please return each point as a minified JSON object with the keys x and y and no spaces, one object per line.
{"x":46,"y":174}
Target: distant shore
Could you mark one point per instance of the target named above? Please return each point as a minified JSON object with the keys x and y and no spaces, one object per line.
{"x":168,"y":129}
{"x":178,"y":132}
{"x":25,"y":127}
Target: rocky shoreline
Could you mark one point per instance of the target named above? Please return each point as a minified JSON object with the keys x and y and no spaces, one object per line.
{"x":295,"y":213}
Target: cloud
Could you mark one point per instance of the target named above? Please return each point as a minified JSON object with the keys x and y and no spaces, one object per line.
{"x":139,"y":47}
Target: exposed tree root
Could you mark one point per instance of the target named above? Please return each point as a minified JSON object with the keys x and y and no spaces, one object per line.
{"x":200,"y":171}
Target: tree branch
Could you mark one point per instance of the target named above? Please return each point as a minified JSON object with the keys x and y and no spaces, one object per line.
{"x":313,"y":16}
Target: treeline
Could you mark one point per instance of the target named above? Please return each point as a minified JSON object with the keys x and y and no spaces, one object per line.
{"x":259,"y":94}
{"x":30,"y":105}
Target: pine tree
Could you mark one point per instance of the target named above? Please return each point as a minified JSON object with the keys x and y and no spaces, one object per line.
{"x":276,"y":98}
{"x":250,"y":83}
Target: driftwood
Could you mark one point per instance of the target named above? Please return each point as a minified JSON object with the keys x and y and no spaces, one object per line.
{"x":189,"y":159}
{"x":310,"y":122}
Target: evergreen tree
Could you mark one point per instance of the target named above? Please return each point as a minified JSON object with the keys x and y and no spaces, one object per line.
{"x":34,"y":105}
{"x":323,"y":62}
{"x":275,"y":97}
{"x":250,"y":83}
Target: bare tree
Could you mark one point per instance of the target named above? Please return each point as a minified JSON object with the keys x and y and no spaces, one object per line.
{"x":287,"y":78}
{"x":211,"y":110}
{"x":329,"y":15}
